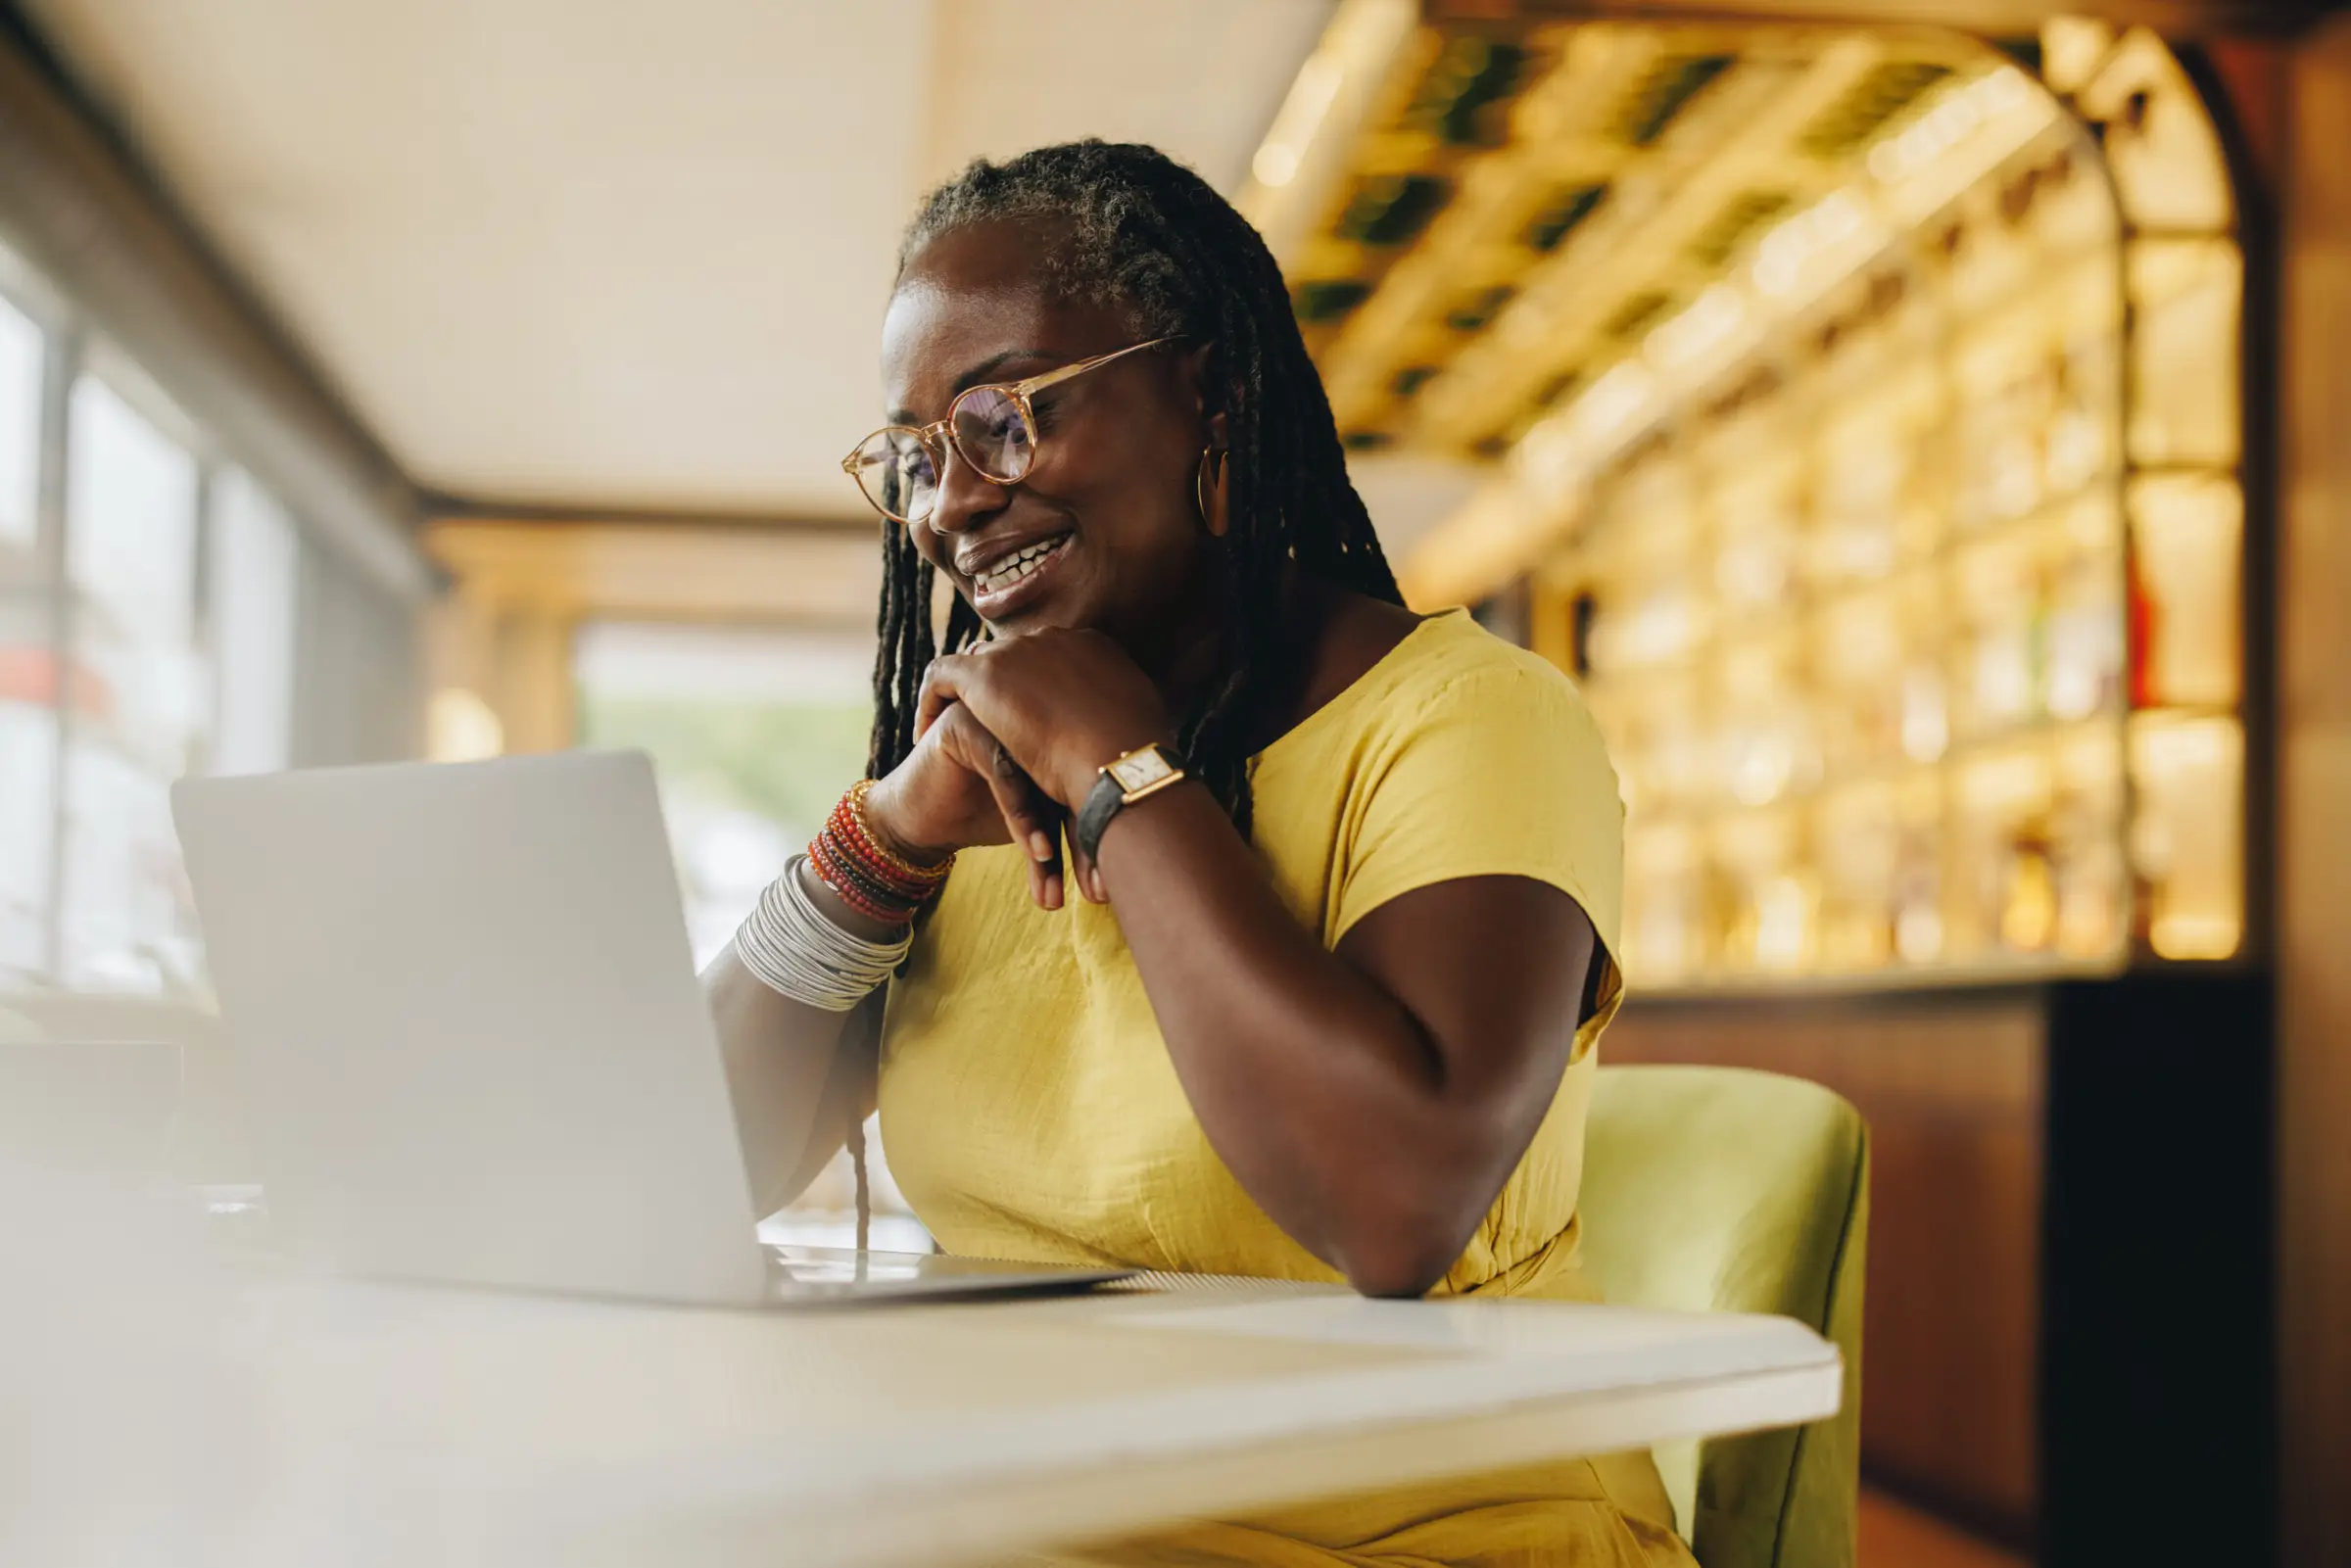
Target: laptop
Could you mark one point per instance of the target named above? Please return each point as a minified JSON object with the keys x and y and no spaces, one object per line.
{"x":474,"y":1046}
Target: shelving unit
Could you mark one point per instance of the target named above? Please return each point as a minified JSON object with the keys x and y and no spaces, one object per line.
{"x":1866,"y":433}
{"x":1863,"y":417}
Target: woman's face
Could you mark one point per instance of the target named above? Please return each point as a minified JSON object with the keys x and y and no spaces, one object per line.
{"x":1111,"y":497}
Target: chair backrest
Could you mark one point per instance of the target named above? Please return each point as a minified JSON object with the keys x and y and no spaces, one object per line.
{"x":1718,"y":1189}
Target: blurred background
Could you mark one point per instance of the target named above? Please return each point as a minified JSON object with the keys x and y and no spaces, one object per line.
{"x":1921,"y":426}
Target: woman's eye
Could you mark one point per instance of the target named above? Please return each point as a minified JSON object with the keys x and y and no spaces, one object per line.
{"x":1043,"y":410}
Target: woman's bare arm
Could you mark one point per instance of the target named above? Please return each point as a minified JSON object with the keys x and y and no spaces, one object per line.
{"x":795,"y":1088}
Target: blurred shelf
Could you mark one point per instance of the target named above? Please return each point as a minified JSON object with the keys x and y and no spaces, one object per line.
{"x":1726,"y":985}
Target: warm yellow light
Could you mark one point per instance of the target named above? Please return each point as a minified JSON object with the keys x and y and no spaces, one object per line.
{"x":2193,"y":936}
{"x":2029,"y":920}
{"x":1295,"y":126}
{"x":2072,"y":48}
{"x":1957,"y":116}
{"x":2168,"y":746}
{"x":1783,"y":923}
{"x":459,"y":727}
{"x":1918,"y":933}
{"x":1275,"y":164}
{"x":2005,"y":783}
{"x":2188,"y":842}
{"x":1690,"y":336}
{"x":1560,"y":453}
{"x":2189,"y":530}
{"x":1614,"y":401}
{"x":1781,"y":256}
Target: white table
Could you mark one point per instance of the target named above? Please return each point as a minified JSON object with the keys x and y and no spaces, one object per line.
{"x":420,"y":1426}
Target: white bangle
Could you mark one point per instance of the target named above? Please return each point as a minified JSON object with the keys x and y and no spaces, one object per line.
{"x":794,"y":951}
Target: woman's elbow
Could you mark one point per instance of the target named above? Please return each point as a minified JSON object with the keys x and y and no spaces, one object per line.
{"x":1404,"y":1222}
{"x":1384,"y":1281}
{"x":1402,"y":1257}
{"x":1397,"y":1273}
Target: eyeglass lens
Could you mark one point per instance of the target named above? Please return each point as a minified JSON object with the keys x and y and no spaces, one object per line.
{"x":899,"y":472}
{"x":991,"y":434}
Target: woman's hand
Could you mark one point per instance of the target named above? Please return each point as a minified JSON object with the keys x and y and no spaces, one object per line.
{"x":959,"y":787}
{"x":1062,"y":703}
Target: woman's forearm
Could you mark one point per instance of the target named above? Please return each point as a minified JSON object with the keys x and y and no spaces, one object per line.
{"x":793,"y":1095}
{"x":1366,"y":1135}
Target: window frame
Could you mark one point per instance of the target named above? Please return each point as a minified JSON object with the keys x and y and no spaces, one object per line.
{"x":74,"y":350}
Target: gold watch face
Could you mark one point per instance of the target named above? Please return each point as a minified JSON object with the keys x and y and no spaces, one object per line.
{"x":1140,"y":770}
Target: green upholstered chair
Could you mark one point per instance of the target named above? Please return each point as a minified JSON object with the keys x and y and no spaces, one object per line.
{"x":1717,"y":1189}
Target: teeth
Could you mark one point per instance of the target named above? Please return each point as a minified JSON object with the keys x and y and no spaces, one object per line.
{"x":1017,"y":566}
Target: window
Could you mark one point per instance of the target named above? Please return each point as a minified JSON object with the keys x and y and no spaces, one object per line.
{"x":754,"y":732}
{"x":28,"y":672}
{"x":147,"y":630}
{"x":23,"y":350}
{"x":135,"y":696}
{"x":252,"y":563}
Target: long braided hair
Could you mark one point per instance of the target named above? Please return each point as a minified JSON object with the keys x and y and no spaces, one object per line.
{"x":1138,"y":231}
{"x":1133,"y":229}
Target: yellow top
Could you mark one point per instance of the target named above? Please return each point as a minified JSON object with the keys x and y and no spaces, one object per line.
{"x":1026,"y":1098}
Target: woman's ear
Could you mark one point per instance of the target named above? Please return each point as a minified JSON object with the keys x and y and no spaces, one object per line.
{"x":1194,"y":361}
{"x":1197,"y":363}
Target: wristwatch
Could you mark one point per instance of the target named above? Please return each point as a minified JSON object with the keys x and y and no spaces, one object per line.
{"x":1133,"y":776}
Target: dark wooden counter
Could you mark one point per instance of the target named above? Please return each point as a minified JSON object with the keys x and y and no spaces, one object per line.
{"x":2068,"y":1310}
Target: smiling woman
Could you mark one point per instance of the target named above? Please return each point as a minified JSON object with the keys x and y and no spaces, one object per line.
{"x":1327,"y":1005}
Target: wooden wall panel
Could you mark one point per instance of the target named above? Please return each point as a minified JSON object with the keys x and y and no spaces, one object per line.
{"x":1953,"y":1092}
{"x":2313,"y":825}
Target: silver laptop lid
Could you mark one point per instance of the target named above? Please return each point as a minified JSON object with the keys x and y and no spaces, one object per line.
{"x":469,"y":1026}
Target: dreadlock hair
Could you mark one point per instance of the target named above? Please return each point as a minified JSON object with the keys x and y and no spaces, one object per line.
{"x":1129,"y":227}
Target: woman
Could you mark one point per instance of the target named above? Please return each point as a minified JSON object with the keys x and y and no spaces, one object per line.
{"x":1315,"y":991}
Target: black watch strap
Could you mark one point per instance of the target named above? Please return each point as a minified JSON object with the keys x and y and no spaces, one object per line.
{"x":1102,"y":802}
{"x":1136,"y":776}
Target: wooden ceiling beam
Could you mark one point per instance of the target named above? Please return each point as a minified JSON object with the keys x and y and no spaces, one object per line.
{"x":1990,"y":19}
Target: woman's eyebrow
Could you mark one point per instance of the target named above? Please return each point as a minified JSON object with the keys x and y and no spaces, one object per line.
{"x":985,"y":370}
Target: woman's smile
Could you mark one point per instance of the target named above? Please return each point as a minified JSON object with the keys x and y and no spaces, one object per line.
{"x":1007,"y":582}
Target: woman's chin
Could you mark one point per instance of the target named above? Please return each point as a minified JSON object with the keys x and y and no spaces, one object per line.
{"x":1043,"y":619}
{"x":1054,"y":606}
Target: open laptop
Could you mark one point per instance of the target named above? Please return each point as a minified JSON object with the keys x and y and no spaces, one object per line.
{"x":474,"y":1045}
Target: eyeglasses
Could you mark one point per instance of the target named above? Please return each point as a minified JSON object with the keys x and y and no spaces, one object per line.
{"x":992,"y":428}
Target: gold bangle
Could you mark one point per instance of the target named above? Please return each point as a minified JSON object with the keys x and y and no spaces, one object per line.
{"x":896,"y":862}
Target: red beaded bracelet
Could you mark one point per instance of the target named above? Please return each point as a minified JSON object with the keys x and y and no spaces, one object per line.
{"x":851,"y":813}
{"x":868,"y":876}
{"x":841,"y":832}
{"x":852,"y":889}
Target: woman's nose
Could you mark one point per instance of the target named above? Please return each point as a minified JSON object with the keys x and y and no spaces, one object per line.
{"x":965,"y":499}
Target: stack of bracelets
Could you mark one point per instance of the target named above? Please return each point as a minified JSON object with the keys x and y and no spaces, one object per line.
{"x":796,"y":950}
{"x":871,"y":878}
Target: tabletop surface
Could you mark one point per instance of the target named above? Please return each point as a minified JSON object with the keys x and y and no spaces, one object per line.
{"x":482,"y":1427}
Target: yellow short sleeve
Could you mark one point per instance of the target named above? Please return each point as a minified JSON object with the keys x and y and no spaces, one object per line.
{"x":1497,"y":771}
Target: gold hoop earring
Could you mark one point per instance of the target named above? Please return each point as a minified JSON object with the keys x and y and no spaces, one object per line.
{"x":1208,"y":493}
